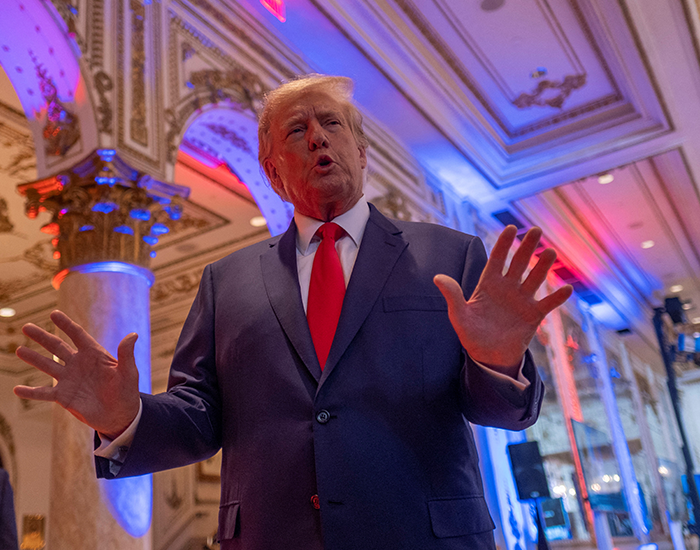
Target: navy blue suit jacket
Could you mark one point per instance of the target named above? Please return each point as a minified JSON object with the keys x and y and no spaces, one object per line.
{"x":381,"y":435}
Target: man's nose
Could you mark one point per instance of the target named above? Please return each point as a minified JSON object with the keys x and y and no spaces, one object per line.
{"x":317,"y":137}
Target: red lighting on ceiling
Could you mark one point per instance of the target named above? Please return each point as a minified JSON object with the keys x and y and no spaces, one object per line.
{"x":276,"y":8}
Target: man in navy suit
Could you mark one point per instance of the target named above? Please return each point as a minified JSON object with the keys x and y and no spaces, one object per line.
{"x":365,"y":445}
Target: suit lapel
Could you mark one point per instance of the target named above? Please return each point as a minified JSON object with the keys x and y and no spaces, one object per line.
{"x":279,"y":270}
{"x":381,"y":247}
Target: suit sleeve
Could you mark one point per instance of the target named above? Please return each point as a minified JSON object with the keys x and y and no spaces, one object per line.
{"x":182,"y":425}
{"x":490,"y":400}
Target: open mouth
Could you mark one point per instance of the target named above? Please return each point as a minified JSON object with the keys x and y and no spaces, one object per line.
{"x":324,"y":161}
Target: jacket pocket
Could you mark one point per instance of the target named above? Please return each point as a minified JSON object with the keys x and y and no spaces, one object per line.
{"x":415,"y":303}
{"x":228,"y":520}
{"x":454,"y":517}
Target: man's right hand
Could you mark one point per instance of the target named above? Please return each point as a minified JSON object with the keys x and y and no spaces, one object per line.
{"x":96,"y":388}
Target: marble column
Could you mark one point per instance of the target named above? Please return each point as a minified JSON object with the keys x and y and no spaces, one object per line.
{"x":106,"y":216}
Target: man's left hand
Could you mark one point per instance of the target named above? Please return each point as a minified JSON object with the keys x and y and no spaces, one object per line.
{"x":497,"y":323}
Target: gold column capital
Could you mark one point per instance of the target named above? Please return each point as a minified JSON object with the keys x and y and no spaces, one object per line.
{"x":104,"y":210}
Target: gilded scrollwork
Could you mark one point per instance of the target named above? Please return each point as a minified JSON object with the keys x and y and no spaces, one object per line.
{"x":6,"y":225}
{"x":104,"y":85}
{"x":179,"y":285}
{"x":138,"y":123}
{"x":394,"y":205}
{"x":550,"y":93}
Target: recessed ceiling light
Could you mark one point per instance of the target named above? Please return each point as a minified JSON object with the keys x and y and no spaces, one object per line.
{"x":696,"y":335}
{"x":605,"y":179}
{"x":687,"y":306}
{"x":7,"y":312}
{"x":258,"y":221}
{"x":696,"y":321}
{"x":676,"y":288}
{"x":647,"y":244}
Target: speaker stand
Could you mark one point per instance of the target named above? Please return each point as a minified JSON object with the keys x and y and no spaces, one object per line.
{"x":542,"y":543}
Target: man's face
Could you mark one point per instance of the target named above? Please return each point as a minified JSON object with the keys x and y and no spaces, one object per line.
{"x":315,"y":164}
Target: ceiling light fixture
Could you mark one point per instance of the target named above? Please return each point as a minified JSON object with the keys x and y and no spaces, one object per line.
{"x":696,"y":320}
{"x":648,"y":244}
{"x":605,"y":179}
{"x":687,"y":306}
{"x":7,"y":312}
{"x":676,"y":288}
{"x":258,"y":221}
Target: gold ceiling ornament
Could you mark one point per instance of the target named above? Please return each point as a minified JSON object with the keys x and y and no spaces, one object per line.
{"x":104,"y":210}
{"x":549,"y":93}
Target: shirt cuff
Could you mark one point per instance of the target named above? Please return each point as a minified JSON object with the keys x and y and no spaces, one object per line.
{"x":115,"y":450}
{"x":520,"y":382}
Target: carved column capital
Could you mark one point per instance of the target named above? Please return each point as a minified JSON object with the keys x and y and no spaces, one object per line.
{"x":103,"y":210}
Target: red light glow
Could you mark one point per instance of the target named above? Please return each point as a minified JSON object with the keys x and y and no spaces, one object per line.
{"x":276,"y":8}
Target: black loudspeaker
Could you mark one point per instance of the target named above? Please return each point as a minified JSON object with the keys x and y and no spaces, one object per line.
{"x":674,"y":308}
{"x":528,"y":470}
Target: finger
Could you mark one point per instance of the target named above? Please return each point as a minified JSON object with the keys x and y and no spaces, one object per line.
{"x":73,"y":330}
{"x":554,"y":300}
{"x":125,"y":351}
{"x":450,"y":289}
{"x":41,"y":393}
{"x":35,"y":359}
{"x":50,"y":342}
{"x":521,"y":258}
{"x":499,"y":252}
{"x":538,"y":274}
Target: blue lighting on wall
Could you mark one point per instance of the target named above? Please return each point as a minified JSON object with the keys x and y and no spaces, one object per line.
{"x":150,"y":240}
{"x":87,"y":228}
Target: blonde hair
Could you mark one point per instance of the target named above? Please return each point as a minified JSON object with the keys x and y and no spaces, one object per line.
{"x":338,"y":87}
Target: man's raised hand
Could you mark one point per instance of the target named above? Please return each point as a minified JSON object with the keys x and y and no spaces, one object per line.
{"x":497,"y":323}
{"x":96,"y":388}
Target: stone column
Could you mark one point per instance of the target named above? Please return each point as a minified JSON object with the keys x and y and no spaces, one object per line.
{"x":106,"y":216}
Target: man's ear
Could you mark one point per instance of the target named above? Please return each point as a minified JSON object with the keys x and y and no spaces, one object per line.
{"x":363,"y":157}
{"x":274,"y":177}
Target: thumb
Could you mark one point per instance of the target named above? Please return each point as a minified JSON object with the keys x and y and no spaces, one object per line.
{"x":125,"y":351}
{"x":450,"y":289}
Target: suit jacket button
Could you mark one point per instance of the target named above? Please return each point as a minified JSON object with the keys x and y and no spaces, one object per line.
{"x":315,"y":502}
{"x":323,"y":416}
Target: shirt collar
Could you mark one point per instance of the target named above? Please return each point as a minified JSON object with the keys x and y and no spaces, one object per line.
{"x":353,"y":222}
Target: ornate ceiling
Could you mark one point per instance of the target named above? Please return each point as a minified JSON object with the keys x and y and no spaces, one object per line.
{"x":512,"y":106}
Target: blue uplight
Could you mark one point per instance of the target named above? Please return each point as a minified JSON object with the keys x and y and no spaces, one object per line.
{"x":103,"y":180}
{"x":150,"y":240}
{"x":174,"y":212}
{"x":153,"y":253}
{"x":159,"y":229}
{"x":106,"y":154}
{"x":87,"y":228}
{"x":130,"y":501}
{"x":104,"y":207}
{"x":124,"y":229}
{"x":140,"y":214}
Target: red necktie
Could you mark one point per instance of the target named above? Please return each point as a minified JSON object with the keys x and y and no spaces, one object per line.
{"x":326,"y":291}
